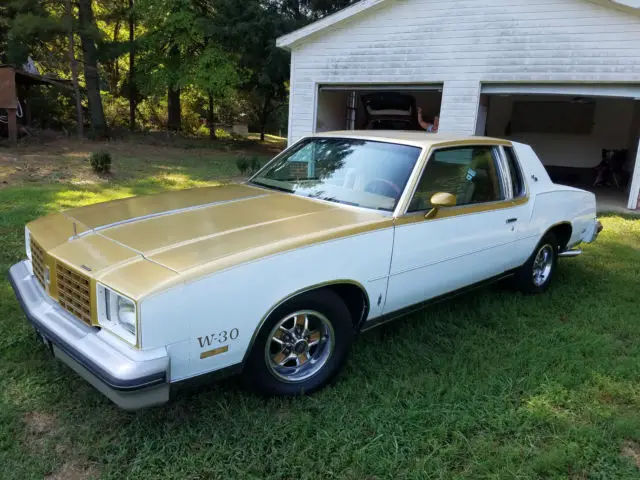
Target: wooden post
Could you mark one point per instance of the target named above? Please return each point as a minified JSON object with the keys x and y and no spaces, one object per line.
{"x":8,"y":101}
{"x":13,"y":126}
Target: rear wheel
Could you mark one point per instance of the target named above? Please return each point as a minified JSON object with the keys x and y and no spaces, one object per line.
{"x":302,"y":346}
{"x":536,"y":274}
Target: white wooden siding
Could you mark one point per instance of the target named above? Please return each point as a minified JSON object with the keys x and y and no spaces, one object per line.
{"x":463,"y":43}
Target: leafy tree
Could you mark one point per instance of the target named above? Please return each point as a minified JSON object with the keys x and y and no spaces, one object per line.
{"x":24,"y":24}
{"x":44,"y":29}
{"x":217,"y":75}
{"x":173,"y":29}
{"x":4,"y":28}
{"x":116,"y":20}
{"x":111,"y":21}
{"x":181,"y":51}
{"x":159,"y":59}
{"x":88,"y":34}
{"x":74,"y":67}
{"x":250,"y":28}
{"x":303,"y":11}
{"x":131,"y":85}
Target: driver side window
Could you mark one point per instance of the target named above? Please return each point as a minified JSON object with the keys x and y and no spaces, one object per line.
{"x":468,"y":173}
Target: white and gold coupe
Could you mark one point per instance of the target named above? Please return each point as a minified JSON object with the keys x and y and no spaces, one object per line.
{"x":275,"y":277}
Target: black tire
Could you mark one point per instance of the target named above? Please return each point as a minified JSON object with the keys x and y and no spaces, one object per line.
{"x":264,"y":378}
{"x":524,"y":278}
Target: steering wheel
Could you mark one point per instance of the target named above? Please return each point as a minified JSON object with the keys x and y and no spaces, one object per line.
{"x":386,"y":186}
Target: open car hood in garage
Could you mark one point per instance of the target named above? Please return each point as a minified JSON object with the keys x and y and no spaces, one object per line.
{"x":389,"y":104}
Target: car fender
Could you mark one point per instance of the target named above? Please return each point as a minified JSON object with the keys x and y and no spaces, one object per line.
{"x":240,"y":298}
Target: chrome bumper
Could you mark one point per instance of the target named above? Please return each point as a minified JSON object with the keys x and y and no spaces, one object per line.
{"x":132,"y":379}
{"x":588,"y":236}
{"x":570,"y":253}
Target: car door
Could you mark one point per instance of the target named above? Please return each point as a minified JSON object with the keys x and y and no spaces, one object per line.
{"x":439,"y":251}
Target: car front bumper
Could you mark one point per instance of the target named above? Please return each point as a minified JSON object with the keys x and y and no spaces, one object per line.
{"x":132,"y":379}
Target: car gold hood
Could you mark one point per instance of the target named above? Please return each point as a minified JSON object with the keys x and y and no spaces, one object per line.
{"x":140,"y":244}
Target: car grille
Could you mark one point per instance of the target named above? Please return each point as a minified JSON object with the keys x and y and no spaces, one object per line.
{"x":74,"y":293}
{"x":37,"y":262}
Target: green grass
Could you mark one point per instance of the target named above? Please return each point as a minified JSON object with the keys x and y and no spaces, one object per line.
{"x":492,"y":385}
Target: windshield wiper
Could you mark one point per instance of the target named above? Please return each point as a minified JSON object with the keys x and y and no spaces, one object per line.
{"x":272,"y":187}
{"x":344,"y":202}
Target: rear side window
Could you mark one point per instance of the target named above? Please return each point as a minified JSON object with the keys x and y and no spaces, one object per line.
{"x":517,"y":183}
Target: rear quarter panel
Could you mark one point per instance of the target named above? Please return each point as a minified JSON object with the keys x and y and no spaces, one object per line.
{"x":564,"y":206}
{"x":552,"y":204}
{"x":240,"y":297}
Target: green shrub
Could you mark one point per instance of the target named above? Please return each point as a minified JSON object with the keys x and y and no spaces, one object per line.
{"x":243,"y":165}
{"x":248,"y":165}
{"x":101,"y":162}
{"x":255,"y":164}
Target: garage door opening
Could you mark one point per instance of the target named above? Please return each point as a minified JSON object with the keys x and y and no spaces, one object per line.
{"x":352,"y":107}
{"x":589,"y":142}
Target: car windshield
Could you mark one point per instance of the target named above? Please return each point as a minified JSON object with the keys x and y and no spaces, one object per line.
{"x":354,"y":172}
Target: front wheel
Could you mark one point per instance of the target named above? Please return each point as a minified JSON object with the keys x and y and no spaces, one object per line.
{"x":536,"y":274}
{"x":302,"y":346}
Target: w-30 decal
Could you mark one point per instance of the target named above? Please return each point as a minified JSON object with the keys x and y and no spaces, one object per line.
{"x":218,"y":338}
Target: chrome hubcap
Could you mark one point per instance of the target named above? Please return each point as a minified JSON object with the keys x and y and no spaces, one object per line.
{"x":299,"y":346}
{"x":542,"y":265}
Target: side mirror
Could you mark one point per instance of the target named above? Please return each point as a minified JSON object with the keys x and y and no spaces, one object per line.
{"x":439,"y":200}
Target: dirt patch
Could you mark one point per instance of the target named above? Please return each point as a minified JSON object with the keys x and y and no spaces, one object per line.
{"x":631,"y":450}
{"x":74,"y":470}
{"x":65,"y":160}
{"x":39,"y":423}
{"x":40,"y":427}
{"x":577,"y":475}
{"x":58,"y":162}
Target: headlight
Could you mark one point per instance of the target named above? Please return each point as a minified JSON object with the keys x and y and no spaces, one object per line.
{"x":127,"y":314}
{"x":27,"y":242}
{"x":117,"y":314}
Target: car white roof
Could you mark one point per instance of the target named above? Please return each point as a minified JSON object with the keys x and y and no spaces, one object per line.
{"x":416,"y":138}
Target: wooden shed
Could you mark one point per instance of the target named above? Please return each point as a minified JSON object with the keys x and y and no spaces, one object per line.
{"x":12,"y":77}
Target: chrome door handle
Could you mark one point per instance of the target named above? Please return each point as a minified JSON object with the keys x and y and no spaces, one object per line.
{"x":512,"y":220}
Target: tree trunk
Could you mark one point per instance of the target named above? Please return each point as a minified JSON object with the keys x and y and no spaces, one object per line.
{"x":91,"y":76}
{"x":264,"y":117}
{"x":210,"y":119}
{"x":132,"y":63}
{"x":116,"y":65}
{"x":74,"y":70}
{"x":173,"y":100}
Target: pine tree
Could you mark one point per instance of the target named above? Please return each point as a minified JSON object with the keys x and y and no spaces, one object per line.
{"x":24,"y":25}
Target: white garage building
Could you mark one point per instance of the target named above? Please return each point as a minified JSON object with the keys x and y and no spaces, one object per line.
{"x":561,"y":75}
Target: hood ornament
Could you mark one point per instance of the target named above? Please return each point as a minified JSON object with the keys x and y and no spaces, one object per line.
{"x":75,"y":230}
